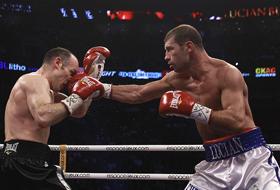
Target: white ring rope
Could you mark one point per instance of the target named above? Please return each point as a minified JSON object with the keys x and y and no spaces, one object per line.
{"x":128,"y":176}
{"x":133,"y":176}
{"x":128,"y":148}
{"x":139,"y":148}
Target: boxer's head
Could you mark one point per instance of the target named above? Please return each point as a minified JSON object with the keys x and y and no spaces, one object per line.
{"x":62,"y":65}
{"x":180,"y":44}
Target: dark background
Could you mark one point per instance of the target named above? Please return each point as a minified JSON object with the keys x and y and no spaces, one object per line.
{"x":138,"y":44}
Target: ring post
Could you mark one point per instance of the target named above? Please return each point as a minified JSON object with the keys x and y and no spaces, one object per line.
{"x":62,"y":157}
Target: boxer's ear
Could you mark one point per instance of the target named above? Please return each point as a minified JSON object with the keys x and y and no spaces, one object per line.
{"x":58,"y":63}
{"x":189,"y":45}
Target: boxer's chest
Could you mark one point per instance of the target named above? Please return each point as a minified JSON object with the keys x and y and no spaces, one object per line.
{"x":206,"y":92}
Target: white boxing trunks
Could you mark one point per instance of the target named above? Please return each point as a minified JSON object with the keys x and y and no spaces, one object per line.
{"x":240,"y":162}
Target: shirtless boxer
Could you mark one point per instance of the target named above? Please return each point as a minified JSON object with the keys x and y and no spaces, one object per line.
{"x":34,"y":105}
{"x":214,"y":93}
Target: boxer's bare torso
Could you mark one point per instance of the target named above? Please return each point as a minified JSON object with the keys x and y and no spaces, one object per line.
{"x":216,"y":87}
{"x":213,"y":83}
{"x":19,"y":121}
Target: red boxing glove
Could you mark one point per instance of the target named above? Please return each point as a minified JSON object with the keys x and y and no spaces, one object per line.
{"x":181,"y":104}
{"x":78,"y":77}
{"x":72,"y":81}
{"x":93,"y":64}
{"x":87,"y":87}
{"x":94,"y":60}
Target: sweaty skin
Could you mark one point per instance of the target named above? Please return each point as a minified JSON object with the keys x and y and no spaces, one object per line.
{"x":221,"y":88}
{"x":212,"y":82}
{"x":24,"y":118}
{"x":34,"y":102}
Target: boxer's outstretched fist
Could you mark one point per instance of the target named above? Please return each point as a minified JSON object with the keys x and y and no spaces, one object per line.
{"x":87,"y":87}
{"x":72,"y":81}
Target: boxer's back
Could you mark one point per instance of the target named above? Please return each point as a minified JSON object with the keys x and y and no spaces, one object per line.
{"x":19,"y":123}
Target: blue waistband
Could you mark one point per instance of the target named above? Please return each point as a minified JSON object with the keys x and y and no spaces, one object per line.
{"x":234,"y":146}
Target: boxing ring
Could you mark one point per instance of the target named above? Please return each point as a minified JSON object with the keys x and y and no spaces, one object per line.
{"x":63,"y":149}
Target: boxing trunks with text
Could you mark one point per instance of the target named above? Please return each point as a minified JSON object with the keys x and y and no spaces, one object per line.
{"x":25,"y":165}
{"x":238,"y":162}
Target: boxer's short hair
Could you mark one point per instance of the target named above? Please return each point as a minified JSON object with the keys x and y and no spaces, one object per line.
{"x":184,"y":33}
{"x":63,"y":53}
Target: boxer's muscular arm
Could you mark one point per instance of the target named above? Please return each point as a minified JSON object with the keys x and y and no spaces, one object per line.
{"x":81,"y":111}
{"x":39,"y":102}
{"x":232,"y":116}
{"x":135,"y":94}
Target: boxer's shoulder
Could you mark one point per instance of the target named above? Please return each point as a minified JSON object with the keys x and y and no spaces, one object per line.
{"x":33,"y":80}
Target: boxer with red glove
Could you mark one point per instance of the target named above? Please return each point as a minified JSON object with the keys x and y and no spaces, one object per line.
{"x":94,"y":61}
{"x":84,"y":88}
{"x":181,"y":104}
{"x":93,"y":64}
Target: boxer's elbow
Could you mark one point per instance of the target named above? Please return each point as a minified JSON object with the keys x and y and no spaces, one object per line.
{"x":228,"y":120}
{"x":238,"y":119}
{"x":43,"y":121}
{"x":46,"y":118}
